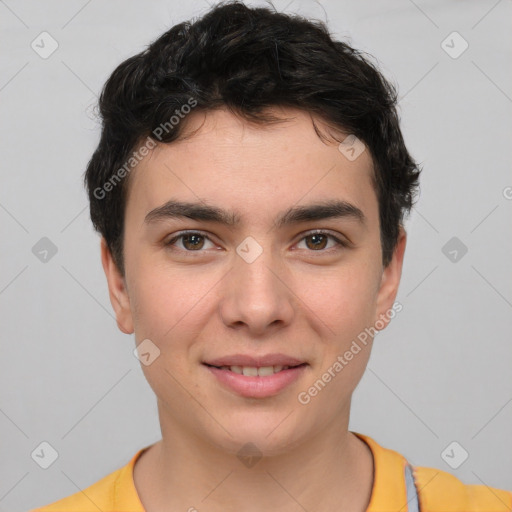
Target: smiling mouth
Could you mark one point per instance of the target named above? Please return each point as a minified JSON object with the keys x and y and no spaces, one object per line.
{"x":256,"y":371}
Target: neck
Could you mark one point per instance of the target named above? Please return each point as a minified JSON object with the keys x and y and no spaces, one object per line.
{"x":331,"y":471}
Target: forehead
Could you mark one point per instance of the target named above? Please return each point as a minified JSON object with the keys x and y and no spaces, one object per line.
{"x":225,"y":160}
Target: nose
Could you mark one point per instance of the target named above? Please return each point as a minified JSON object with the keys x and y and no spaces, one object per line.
{"x":258,"y":295}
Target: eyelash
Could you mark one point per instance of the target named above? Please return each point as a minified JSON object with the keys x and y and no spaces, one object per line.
{"x":341,"y":243}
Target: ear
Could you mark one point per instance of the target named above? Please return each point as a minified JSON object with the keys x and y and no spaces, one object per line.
{"x":117,"y":290}
{"x":390,"y":280}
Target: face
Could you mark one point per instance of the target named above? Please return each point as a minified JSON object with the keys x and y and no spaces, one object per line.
{"x":249,"y":249}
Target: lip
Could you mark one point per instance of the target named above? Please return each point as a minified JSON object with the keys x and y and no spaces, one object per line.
{"x":256,"y":387}
{"x":255,"y":361}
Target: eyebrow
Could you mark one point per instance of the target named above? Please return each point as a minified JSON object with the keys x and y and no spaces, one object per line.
{"x":334,"y":209}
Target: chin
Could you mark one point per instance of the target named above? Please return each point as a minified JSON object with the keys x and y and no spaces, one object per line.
{"x":270,"y":433}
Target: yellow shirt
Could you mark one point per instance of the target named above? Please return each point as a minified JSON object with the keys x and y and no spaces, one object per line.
{"x":438,"y":491}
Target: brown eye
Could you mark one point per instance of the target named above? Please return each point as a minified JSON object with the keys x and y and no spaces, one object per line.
{"x":318,"y":241}
{"x":193,"y":241}
{"x":190,"y":242}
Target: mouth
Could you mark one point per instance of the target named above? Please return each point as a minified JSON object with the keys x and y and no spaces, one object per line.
{"x":256,"y":377}
{"x":256,"y":371}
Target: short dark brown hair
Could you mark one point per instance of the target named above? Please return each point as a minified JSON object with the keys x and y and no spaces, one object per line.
{"x":248,"y":60}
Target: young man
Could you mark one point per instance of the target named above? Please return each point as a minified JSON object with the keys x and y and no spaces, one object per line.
{"x":250,"y":187}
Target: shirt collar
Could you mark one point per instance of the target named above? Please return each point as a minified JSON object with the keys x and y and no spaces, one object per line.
{"x":389,"y":490}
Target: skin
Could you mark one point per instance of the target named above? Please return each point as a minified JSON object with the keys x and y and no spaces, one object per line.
{"x":294,"y":299}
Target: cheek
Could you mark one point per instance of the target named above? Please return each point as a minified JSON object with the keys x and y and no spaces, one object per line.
{"x":168,"y":310}
{"x":344,"y":300}
{"x":167,"y":304}
{"x":347,"y":306}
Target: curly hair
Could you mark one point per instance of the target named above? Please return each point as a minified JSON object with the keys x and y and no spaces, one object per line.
{"x":248,"y":60}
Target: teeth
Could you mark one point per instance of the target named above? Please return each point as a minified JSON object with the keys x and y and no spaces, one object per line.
{"x":265,"y":370}
{"x":252,"y":371}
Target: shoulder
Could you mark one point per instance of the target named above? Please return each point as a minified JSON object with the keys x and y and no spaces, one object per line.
{"x":97,"y":496}
{"x":441,"y":491}
{"x":437,"y":490}
{"x":108,"y":494}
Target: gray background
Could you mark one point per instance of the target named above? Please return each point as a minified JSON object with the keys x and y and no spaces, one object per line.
{"x":439,"y":373}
